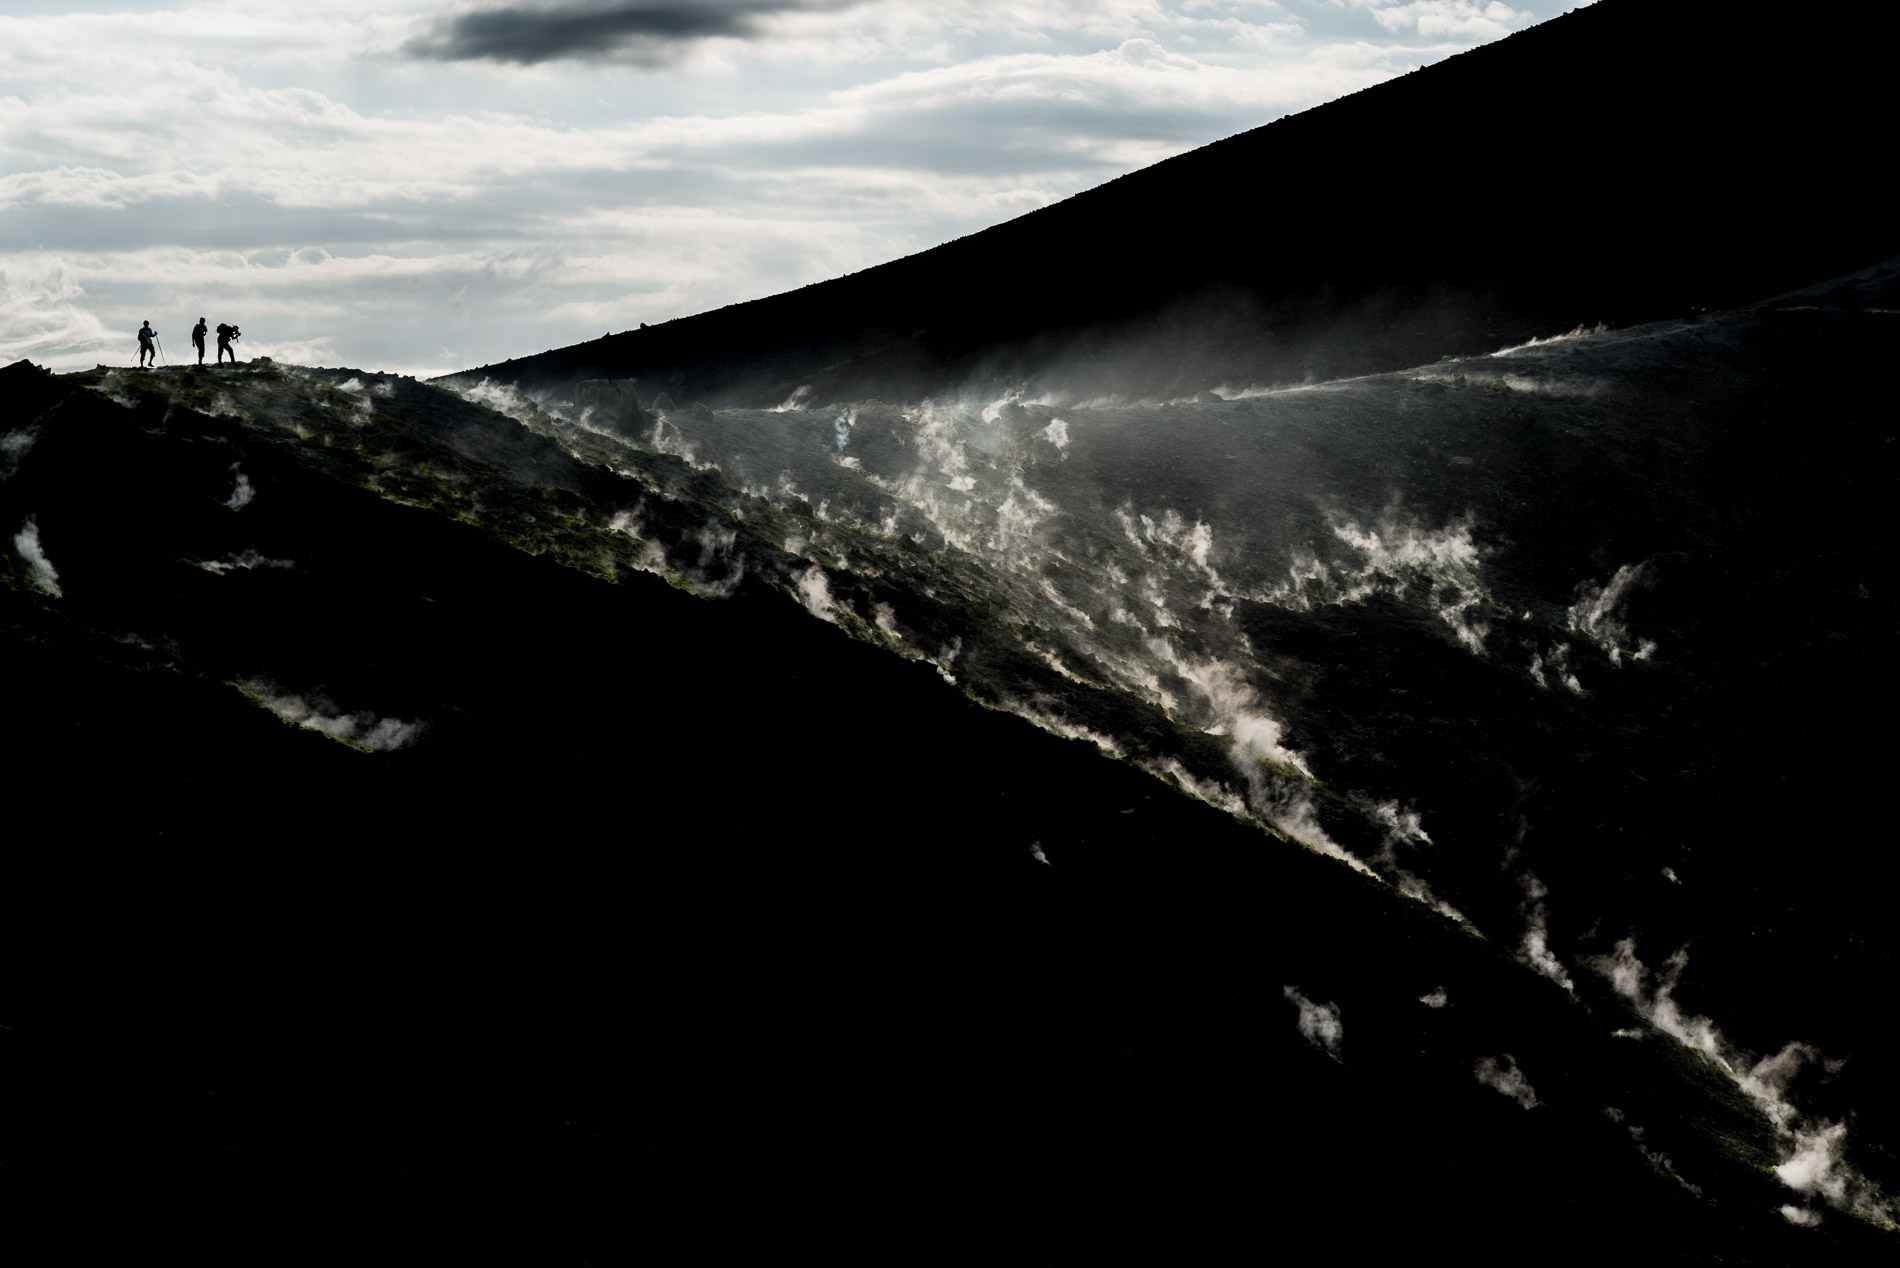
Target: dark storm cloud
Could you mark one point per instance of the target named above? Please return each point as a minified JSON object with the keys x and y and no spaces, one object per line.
{"x":648,"y":32}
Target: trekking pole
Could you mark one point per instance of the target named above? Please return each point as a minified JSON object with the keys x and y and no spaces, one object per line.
{"x":161,"y":349}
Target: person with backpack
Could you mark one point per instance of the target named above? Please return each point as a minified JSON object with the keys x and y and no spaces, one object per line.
{"x":146,"y":336}
{"x":198,"y":339}
{"x":226,"y":333}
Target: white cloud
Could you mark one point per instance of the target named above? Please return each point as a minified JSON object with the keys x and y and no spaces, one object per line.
{"x":1448,"y":19}
{"x":286,"y":165}
{"x":1502,"y":1076}
{"x":314,"y":713}
{"x":242,"y":492}
{"x":43,"y":316}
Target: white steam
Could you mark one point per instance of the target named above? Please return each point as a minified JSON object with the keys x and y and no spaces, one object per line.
{"x":362,"y":395}
{"x":1136,"y":595}
{"x":1231,"y":708}
{"x":1503,"y":1077}
{"x":503,"y":398}
{"x":27,"y":543}
{"x":247,"y":560}
{"x":1631,"y":978}
{"x":1403,"y":828}
{"x":242,"y":494}
{"x":1816,"y":1166}
{"x":1057,"y":434}
{"x":1557,"y":664}
{"x":1535,"y":950}
{"x":1812,"y":1150}
{"x":652,"y":558}
{"x":361,"y":730}
{"x":13,"y":448}
{"x":112,"y":385}
{"x":1598,"y":612}
{"x":1399,"y":558}
{"x":1578,"y":333}
{"x":1436,"y":999}
{"x":814,"y":591}
{"x":720,"y":568}
{"x":1177,"y":542}
{"x":1319,"y":1023}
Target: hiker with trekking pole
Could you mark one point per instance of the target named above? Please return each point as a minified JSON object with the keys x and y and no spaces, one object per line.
{"x":147,"y":337}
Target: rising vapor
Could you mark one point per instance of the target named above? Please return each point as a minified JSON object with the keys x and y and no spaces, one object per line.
{"x":40,"y":568}
{"x":1319,"y":1023}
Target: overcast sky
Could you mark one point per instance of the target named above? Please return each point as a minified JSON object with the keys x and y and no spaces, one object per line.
{"x":421,"y":186}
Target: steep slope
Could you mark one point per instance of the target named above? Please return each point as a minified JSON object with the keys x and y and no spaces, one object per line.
{"x":1549,"y":639}
{"x":1629,"y":161}
{"x":445,"y":810}
{"x":573,"y":906}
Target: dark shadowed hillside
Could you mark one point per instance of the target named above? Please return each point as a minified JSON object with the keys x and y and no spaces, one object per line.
{"x":1170,"y":808}
{"x":388,"y":836}
{"x":1629,"y":161}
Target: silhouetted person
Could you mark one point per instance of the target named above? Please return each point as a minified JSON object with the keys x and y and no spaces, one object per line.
{"x":146,"y":336}
{"x":226,"y":333}
{"x":198,"y":339}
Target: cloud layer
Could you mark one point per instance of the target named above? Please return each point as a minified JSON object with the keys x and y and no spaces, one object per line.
{"x":420,"y":188}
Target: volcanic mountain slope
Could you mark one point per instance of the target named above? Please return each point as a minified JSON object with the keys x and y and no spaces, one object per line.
{"x":1442,"y":823}
{"x":1631,"y":161}
{"x":400,"y":842}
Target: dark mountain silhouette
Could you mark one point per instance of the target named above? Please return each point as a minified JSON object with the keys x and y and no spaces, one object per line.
{"x":1629,"y":161}
{"x":440,"y":826}
{"x":678,"y":902}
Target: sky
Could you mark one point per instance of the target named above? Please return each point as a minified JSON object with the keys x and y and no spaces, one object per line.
{"x":420,"y":186}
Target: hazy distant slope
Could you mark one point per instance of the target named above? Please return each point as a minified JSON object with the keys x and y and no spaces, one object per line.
{"x":1632,"y":160}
